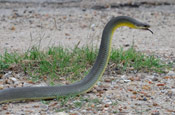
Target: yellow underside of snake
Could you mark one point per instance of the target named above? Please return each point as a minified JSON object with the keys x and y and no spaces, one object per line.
{"x":84,"y":85}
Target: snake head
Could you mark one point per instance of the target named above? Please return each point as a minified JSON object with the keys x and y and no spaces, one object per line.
{"x":143,"y":26}
{"x":129,"y":22}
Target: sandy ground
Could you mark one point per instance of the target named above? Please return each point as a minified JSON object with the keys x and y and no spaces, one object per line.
{"x":25,"y":25}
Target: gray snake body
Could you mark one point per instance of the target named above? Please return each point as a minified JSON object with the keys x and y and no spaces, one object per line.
{"x":48,"y":92}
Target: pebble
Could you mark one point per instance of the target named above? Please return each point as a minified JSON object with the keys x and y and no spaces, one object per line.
{"x":126,"y":45}
{"x":107,"y":101}
{"x":173,"y":90}
{"x":7,"y":74}
{"x":123,"y":77}
{"x":133,"y":97}
{"x":169,"y":93}
{"x":134,"y":92}
{"x":126,"y":81}
{"x":144,"y":99}
{"x":161,"y":84}
{"x":1,"y":87}
{"x":93,"y":25}
{"x":146,"y":87}
{"x":107,"y":105}
{"x":62,"y":113}
{"x":155,"y":79}
{"x":141,"y":75}
{"x":13,"y":79}
{"x":84,"y":111}
{"x":171,"y":73}
{"x":156,"y":113}
{"x":1,"y":75}
{"x":108,"y":80}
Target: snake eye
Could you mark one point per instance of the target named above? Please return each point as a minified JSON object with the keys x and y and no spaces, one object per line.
{"x":146,"y":26}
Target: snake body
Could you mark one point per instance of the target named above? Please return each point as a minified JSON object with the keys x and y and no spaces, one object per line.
{"x":84,"y":85}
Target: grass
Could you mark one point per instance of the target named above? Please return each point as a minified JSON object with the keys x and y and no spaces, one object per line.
{"x":73,"y":64}
{"x":131,"y":60}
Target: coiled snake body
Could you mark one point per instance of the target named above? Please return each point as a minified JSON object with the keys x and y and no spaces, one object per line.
{"x":84,"y":85}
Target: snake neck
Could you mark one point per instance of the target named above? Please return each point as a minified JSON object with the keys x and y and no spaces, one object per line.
{"x":103,"y":56}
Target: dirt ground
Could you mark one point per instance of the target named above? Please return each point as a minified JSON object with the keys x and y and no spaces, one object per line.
{"x":23,"y":25}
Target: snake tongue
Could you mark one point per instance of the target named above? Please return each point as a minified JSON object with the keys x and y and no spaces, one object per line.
{"x":149,"y":30}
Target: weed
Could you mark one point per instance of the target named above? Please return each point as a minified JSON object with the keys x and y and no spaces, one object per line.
{"x":74,"y":63}
{"x":131,"y":59}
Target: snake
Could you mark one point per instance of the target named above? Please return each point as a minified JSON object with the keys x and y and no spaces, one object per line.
{"x":84,"y":85}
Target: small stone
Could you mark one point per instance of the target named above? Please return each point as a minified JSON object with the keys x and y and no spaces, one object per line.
{"x":36,"y":106}
{"x":67,"y":34}
{"x":93,"y":91}
{"x":30,"y":82}
{"x":126,"y":81}
{"x":130,"y":89}
{"x":155,"y":104}
{"x":116,"y":87}
{"x":144,"y":99}
{"x":1,"y":87}
{"x":137,"y":79}
{"x":54,"y":104}
{"x":169,"y":110}
{"x":12,"y":28}
{"x":161,"y":84}
{"x":13,"y":79}
{"x":156,"y":113}
{"x":44,"y":107}
{"x":92,"y":105}
{"x":7,"y":74}
{"x":83,"y":9}
{"x":93,"y":25}
{"x":84,"y":111}
{"x":134,"y":92}
{"x":169,"y":93}
{"x":120,"y":109}
{"x":126,"y":45}
{"x":171,"y":73}
{"x":143,"y":93}
{"x":4,"y":107}
{"x":123,"y":76}
{"x":1,"y":76}
{"x":141,"y":75}
{"x":132,"y":79}
{"x":83,"y":26}
{"x":106,"y":105}
{"x":166,"y":77}
{"x":133,"y":97}
{"x":146,"y":87}
{"x":173,"y":90}
{"x":30,"y":11}
{"x":63,"y":113}
{"x":64,"y":17}
{"x":155,"y":79}
{"x":107,"y":80}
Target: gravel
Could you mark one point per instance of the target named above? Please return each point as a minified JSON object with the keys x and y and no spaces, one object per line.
{"x":139,"y":93}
